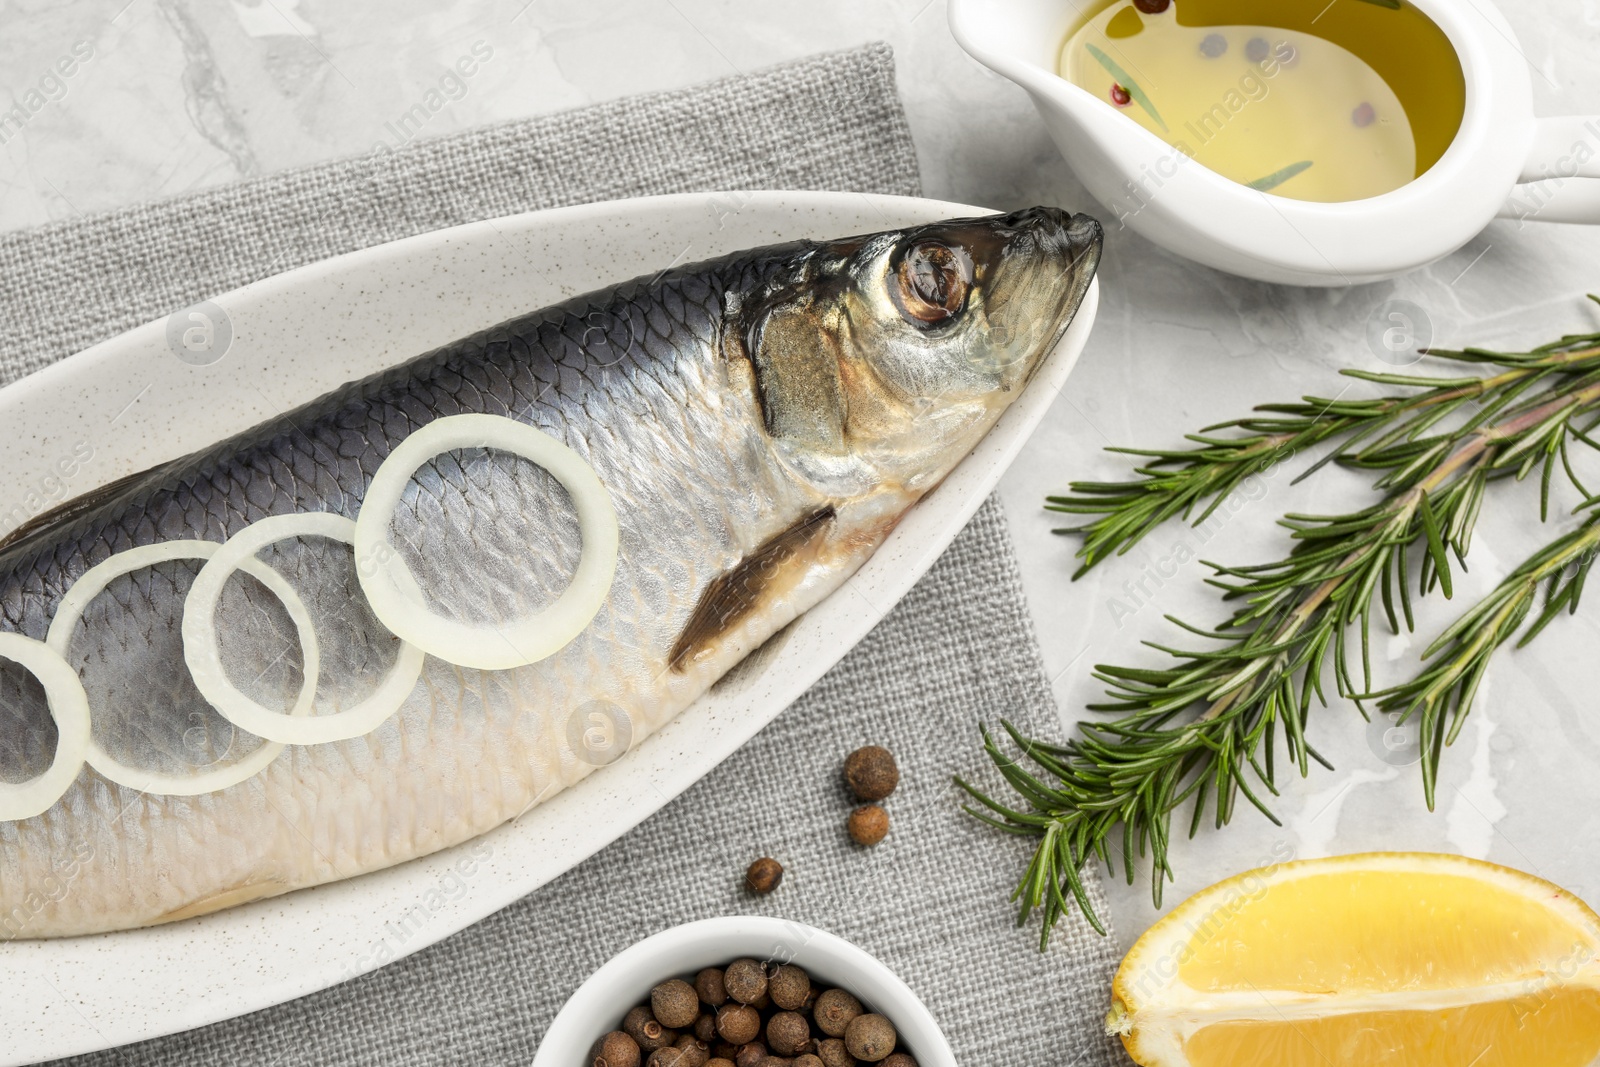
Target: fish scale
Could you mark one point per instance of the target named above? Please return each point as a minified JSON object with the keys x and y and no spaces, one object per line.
{"x":653,"y":384}
{"x":165,"y":739}
{"x":259,"y":482}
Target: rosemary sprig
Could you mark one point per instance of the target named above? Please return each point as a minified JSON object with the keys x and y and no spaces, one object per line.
{"x":1441,"y":695}
{"x":1174,"y":483}
{"x":1264,"y":671}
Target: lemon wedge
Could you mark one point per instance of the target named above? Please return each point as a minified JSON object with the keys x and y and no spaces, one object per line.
{"x":1402,"y":959}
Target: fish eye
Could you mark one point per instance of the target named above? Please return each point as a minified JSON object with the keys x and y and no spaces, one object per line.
{"x":929,"y":282}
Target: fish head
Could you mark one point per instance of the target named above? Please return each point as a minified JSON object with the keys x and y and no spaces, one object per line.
{"x":889,"y":356}
{"x":966,"y":310}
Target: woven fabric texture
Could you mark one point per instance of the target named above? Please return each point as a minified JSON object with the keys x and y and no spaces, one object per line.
{"x":832,"y":122}
{"x":931,"y":901}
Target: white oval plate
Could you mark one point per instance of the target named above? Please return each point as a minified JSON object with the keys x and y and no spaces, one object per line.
{"x":130,"y":403}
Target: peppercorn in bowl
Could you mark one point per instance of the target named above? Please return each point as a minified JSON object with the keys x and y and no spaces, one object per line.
{"x":615,"y":1013}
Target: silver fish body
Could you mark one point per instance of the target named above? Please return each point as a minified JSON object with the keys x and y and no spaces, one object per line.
{"x":760,"y":422}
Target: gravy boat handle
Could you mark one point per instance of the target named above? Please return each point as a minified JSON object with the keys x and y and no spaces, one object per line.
{"x":1557,"y":180}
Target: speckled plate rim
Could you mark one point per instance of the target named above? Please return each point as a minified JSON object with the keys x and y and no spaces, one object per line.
{"x":130,"y":402}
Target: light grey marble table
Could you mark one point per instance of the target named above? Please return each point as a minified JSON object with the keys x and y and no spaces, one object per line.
{"x":167,"y":96}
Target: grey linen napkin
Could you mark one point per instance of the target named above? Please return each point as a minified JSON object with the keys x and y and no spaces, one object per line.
{"x":931,"y":901}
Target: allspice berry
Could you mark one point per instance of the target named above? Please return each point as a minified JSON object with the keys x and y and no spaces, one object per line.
{"x":807,"y":1060}
{"x":693,"y":1052}
{"x":788,"y":1033}
{"x":709,"y":988}
{"x":738,"y":1024}
{"x":750,"y":1054}
{"x":675,"y":1004}
{"x":616,"y":1049}
{"x":832,"y":1053}
{"x":634,"y":1020}
{"x":705,"y":1028}
{"x":899,"y":1059}
{"x":746,"y":981}
{"x":667,"y":1057}
{"x":720,"y":1061}
{"x":871,"y":772}
{"x":763,"y":875}
{"x":650,"y":1035}
{"x":870,"y":1038}
{"x":868,"y":824}
{"x":789,"y":986}
{"x":834,"y":1011}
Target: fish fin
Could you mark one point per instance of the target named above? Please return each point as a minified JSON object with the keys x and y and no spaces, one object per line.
{"x":64,"y":514}
{"x":734,"y":594}
{"x":227,"y":898}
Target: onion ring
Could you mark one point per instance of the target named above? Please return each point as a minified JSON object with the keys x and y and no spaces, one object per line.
{"x":202,"y":648}
{"x":69,"y":707}
{"x":392,"y":589}
{"x":95,"y":580}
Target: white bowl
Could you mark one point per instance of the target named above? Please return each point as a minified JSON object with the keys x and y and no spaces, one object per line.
{"x":600,"y":1002}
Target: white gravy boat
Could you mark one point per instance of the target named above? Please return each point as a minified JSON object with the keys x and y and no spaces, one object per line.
{"x":1503,"y":161}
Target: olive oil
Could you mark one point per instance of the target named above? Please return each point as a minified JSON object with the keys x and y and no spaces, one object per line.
{"x":1309,"y":99}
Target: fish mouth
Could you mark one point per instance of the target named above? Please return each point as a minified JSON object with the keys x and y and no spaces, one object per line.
{"x":1041,"y":263}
